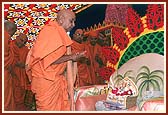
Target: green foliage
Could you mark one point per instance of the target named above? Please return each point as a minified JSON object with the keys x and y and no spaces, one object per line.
{"x":147,"y":80}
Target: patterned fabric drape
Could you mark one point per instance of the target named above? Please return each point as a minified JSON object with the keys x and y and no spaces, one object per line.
{"x":116,"y":13}
{"x":30,"y":18}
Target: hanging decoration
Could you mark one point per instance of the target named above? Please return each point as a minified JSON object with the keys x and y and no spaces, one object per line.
{"x":155,"y":16}
{"x":120,"y":38}
{"x":136,"y":27}
{"x":134,"y":23}
{"x":30,"y":18}
{"x":116,"y":13}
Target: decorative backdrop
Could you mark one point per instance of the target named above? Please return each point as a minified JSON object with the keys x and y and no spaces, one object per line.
{"x":131,"y":37}
{"x":31,"y":17}
{"x":141,"y":35}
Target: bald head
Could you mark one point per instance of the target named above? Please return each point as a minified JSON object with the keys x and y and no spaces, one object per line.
{"x":65,"y":12}
{"x":66,"y":18}
{"x":10,"y":27}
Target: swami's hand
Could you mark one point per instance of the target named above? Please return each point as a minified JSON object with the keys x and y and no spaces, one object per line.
{"x":78,"y":55}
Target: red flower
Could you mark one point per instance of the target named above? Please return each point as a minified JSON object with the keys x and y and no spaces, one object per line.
{"x":134,"y":23}
{"x":119,"y":92}
{"x":114,"y":91}
{"x":106,"y":72}
{"x":112,"y":55}
{"x":155,"y":16}
{"x":120,"y":38}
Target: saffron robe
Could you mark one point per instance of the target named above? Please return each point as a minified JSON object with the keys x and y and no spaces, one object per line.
{"x":9,"y":102}
{"x":83,"y":72}
{"x":47,"y":80}
{"x":21,"y":82}
{"x":92,"y":52}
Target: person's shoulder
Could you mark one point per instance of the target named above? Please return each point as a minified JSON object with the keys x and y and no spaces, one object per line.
{"x":50,"y":25}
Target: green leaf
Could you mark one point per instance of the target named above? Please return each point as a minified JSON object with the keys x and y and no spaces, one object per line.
{"x":157,"y":72}
{"x":157,"y":78}
{"x":142,"y":87}
{"x":155,"y":84}
{"x":144,"y":69}
{"x":141,"y":76}
{"x":128,"y":73}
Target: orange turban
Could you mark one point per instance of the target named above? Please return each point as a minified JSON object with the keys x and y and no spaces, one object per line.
{"x":79,"y":31}
{"x":93,"y":34}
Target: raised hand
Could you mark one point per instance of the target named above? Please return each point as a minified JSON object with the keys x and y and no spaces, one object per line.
{"x":78,"y":55}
